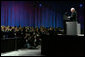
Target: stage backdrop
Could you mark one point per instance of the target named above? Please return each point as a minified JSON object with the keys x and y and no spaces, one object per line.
{"x":26,"y":14}
{"x":15,"y":13}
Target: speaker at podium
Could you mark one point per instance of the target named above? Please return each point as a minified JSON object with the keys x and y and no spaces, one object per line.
{"x":71,"y":26}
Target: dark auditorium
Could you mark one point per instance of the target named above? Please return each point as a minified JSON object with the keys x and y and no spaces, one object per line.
{"x":42,"y":28}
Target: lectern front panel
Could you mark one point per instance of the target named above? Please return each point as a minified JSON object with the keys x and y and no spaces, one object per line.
{"x":71,"y":28}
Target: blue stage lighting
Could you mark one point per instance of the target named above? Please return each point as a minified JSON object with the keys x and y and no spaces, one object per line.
{"x":40,"y":5}
{"x":81,"y":5}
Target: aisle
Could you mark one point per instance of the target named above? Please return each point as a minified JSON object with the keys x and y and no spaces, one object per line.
{"x":23,"y":52}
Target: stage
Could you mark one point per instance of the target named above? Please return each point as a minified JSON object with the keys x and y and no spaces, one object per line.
{"x":80,"y":34}
{"x":63,"y":45}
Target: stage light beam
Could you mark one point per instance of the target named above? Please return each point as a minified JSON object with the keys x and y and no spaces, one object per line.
{"x":40,"y":5}
{"x":81,"y":5}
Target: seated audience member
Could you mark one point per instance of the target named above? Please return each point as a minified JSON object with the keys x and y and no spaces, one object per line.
{"x":6,"y":31}
{"x":19,"y":31}
{"x":51,"y":31}
{"x":24,"y":31}
{"x":2,"y":29}
{"x":15,"y":31}
{"x":10,"y":32}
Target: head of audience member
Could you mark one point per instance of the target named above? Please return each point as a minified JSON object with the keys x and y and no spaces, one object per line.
{"x":55,"y":29}
{"x":32,"y":29}
{"x":10,"y":28}
{"x":6,"y":28}
{"x":15,"y":29}
{"x":19,"y":27}
{"x":37,"y":29}
{"x":26,"y":30}
{"x":50,"y":28}
{"x":2,"y":28}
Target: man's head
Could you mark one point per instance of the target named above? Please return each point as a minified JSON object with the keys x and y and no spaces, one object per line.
{"x":72,"y":10}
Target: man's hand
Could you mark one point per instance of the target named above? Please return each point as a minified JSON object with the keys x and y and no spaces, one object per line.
{"x":68,"y":17}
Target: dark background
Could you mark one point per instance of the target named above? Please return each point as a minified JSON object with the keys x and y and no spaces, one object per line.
{"x":39,"y":13}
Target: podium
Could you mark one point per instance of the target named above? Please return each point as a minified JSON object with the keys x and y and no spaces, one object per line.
{"x":73,"y":28}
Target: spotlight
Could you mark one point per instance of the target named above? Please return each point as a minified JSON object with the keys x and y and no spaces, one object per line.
{"x":81,"y":5}
{"x":40,"y":5}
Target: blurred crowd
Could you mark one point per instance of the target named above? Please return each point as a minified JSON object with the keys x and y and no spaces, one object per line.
{"x":31,"y":35}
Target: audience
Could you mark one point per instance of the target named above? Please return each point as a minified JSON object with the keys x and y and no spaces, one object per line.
{"x":31,"y":35}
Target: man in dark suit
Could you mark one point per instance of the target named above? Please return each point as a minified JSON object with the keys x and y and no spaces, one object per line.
{"x":73,"y":16}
